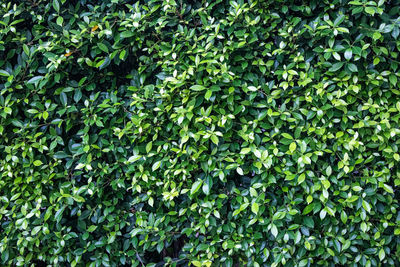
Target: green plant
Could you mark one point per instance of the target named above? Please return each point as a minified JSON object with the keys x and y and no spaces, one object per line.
{"x":200,"y":133}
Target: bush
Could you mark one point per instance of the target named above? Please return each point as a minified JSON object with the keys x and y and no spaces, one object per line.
{"x":199,"y":133}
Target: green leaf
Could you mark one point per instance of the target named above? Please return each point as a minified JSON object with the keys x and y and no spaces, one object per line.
{"x":245,"y":150}
{"x":287,"y":136}
{"x":24,"y":224}
{"x":382,"y":254}
{"x":214,"y":139}
{"x":135,"y":158}
{"x":48,"y":213}
{"x":63,"y":99}
{"x":338,"y":20}
{"x":195,"y":187}
{"x":36,"y":230}
{"x":337,"y":245}
{"x":35,"y":79}
{"x":348,"y":54}
{"x":37,"y":163}
{"x":343,"y":217}
{"x":308,"y":209}
{"x":4,"y":73}
{"x":393,"y":79}
{"x":292,"y":147}
{"x":208,"y":94}
{"x":149,"y":146}
{"x":274,"y":230}
{"x":92,"y":228}
{"x":336,"y":66}
{"x":127,"y":34}
{"x":366,"y":206}
{"x":122,"y":54}
{"x":376,"y":35}
{"x":352,"y":67}
{"x":156,"y":165}
{"x":254,"y":208}
{"x":370,"y":10}
{"x":56,"y":6}
{"x":207,"y":185}
{"x":77,"y":95}
{"x":8,"y":110}
{"x":388,"y":188}
{"x":302,"y":178}
{"x":352,"y":199}
{"x":279,"y":215}
{"x":60,"y":21}
{"x":303,"y":262}
{"x":26,"y":49}
{"x":103,"y":47}
{"x":329,"y":171}
{"x":59,"y":213}
{"x":197,"y":88}
{"x":60,"y":155}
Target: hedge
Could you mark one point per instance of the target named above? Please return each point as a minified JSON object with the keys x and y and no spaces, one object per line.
{"x":199,"y":133}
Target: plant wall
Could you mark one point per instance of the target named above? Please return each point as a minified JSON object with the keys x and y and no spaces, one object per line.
{"x":199,"y":133}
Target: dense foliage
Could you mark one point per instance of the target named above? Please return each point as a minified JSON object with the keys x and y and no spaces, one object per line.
{"x":199,"y":133}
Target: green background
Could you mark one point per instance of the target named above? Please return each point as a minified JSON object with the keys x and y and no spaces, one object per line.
{"x":200,"y":133}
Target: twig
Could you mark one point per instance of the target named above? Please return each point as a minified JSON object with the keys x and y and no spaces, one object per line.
{"x":138,"y":257}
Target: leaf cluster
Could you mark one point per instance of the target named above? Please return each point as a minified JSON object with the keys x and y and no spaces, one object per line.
{"x":199,"y":133}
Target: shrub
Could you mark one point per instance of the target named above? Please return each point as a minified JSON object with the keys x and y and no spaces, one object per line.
{"x":199,"y":133}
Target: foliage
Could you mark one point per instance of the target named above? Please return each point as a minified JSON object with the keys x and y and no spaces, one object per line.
{"x":199,"y":133}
